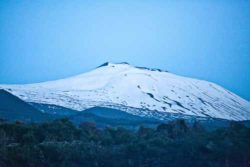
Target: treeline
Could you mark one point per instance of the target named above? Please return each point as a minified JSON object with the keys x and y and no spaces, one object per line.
{"x":174,"y":144}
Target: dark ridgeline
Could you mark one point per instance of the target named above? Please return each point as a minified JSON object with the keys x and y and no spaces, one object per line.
{"x":13,"y":108}
{"x":174,"y":144}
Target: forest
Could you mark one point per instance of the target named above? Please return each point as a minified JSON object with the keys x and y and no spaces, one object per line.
{"x":60,"y":143}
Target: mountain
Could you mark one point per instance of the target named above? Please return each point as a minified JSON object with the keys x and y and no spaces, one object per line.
{"x":103,"y":117}
{"x":12,"y":108}
{"x":139,"y":91}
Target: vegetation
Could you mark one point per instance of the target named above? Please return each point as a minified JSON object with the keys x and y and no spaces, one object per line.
{"x":175,"y":144}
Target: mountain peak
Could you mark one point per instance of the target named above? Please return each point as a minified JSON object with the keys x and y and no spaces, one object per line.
{"x":126,"y":63}
{"x":109,"y":63}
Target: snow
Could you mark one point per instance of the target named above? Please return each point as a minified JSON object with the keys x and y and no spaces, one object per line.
{"x":125,"y":85}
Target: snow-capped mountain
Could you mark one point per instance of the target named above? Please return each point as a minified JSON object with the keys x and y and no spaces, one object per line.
{"x":127,"y":87}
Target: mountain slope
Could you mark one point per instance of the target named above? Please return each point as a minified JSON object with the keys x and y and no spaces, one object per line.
{"x":103,"y":117}
{"x":126,"y":87}
{"x":13,"y":108}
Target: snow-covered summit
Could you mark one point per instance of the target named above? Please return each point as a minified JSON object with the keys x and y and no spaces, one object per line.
{"x":126,"y":63}
{"x":121,"y":84}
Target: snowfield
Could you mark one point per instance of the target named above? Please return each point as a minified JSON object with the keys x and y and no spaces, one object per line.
{"x":117,"y":85}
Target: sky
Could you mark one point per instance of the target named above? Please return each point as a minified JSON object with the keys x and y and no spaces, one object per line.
{"x":51,"y":39}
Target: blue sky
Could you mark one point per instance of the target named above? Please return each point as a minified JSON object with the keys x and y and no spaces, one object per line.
{"x":50,"y":39}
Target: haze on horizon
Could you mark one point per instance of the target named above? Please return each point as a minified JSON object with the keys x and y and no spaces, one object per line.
{"x":48,"y":40}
